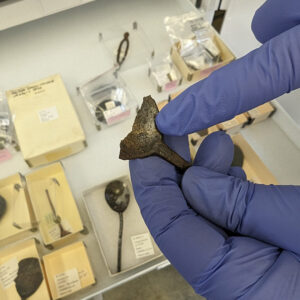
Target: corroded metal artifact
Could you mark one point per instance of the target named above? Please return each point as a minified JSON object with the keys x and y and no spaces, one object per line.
{"x":117,"y":196}
{"x":145,"y":140}
{"x":121,"y":54}
{"x":57,"y":219}
{"x":3,"y":207}
{"x":238,"y":157}
{"x":29,"y":277}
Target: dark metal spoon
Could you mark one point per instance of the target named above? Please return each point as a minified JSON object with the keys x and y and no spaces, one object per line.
{"x":117,"y":196}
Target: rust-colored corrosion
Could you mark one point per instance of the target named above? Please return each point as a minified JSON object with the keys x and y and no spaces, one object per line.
{"x":145,"y":140}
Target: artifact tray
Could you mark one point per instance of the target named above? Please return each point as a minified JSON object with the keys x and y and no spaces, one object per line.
{"x":53,"y":179}
{"x":106,"y":225}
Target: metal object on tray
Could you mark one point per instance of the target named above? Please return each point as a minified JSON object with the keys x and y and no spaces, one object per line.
{"x":57,"y":219}
{"x":121,"y":55}
{"x":145,"y":140}
{"x":117,"y":196}
{"x":3,"y":207}
{"x":29,"y":277}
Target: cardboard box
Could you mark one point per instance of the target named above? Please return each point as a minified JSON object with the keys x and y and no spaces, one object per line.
{"x":234,"y":125}
{"x":9,"y":259}
{"x":52,"y":180}
{"x":18,"y":217}
{"x":260,"y":113}
{"x":46,"y":123}
{"x":138,"y":247}
{"x":68,"y":270}
{"x":189,"y":74}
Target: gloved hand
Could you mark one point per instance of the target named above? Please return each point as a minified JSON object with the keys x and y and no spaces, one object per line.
{"x":180,"y":210}
{"x":177,"y":209}
{"x":260,"y":76}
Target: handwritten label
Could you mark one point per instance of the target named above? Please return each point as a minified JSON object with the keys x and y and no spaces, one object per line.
{"x":67,"y":282}
{"x":48,"y":114}
{"x":142,"y":245}
{"x":8,"y":273}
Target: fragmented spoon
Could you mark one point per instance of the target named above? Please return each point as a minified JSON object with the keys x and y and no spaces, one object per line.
{"x":145,"y":140}
{"x":117,"y":196}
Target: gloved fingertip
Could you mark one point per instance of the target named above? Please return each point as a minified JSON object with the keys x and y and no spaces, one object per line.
{"x":237,"y":172}
{"x":216,"y":152}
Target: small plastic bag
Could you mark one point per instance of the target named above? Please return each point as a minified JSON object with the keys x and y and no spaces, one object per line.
{"x":194,"y":39}
{"x":7,"y":132}
{"x":108,"y":99}
{"x":164,"y":74}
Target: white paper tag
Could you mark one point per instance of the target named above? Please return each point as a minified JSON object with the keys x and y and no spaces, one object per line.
{"x":142,"y":245}
{"x":48,"y":114}
{"x":67,"y":282}
{"x":110,"y":105}
{"x":8,"y":273}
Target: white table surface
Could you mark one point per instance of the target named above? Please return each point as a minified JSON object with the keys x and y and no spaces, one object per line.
{"x":67,"y":43}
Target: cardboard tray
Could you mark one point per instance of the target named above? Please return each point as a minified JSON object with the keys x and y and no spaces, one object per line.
{"x":189,"y":74}
{"x":68,"y":270}
{"x":8,"y":258}
{"x":106,"y":226}
{"x":62,"y":199}
{"x":18,"y":217}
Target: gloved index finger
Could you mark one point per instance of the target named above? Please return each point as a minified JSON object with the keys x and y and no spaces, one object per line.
{"x":260,"y":76}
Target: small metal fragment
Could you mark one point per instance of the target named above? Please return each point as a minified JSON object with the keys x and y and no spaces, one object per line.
{"x":145,"y":140}
{"x":3,"y":207}
{"x":121,"y":55}
{"x":238,"y":157}
{"x":29,"y":277}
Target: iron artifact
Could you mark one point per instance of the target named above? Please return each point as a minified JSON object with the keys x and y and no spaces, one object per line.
{"x":145,"y":140}
{"x":3,"y":207}
{"x":121,"y":54}
{"x":57,"y":219}
{"x":238,"y":157}
{"x":29,"y":277}
{"x":117,"y":196}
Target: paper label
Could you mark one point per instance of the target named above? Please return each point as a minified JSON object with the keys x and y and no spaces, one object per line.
{"x":48,"y":114}
{"x":67,"y":282}
{"x":5,"y":155}
{"x":110,"y":105}
{"x":8,"y":273}
{"x":171,"y":85}
{"x":142,"y":245}
{"x":115,"y":115}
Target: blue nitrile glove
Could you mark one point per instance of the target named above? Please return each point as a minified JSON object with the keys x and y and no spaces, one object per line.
{"x":260,"y":76}
{"x":219,"y":266}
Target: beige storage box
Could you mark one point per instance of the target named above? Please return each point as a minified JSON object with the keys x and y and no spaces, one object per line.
{"x":46,"y":123}
{"x":18,"y":216}
{"x":9,"y":259}
{"x":68,"y":270}
{"x":189,"y":74}
{"x":53,"y":204}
